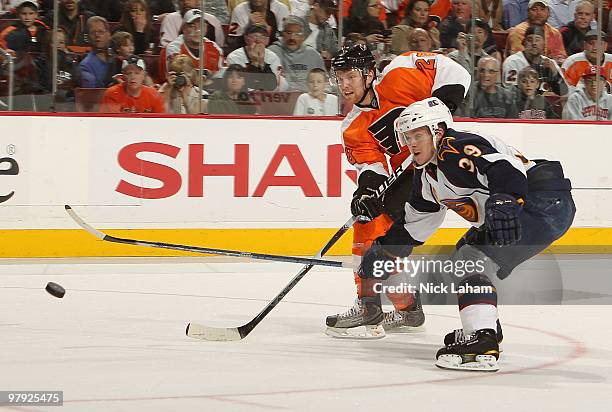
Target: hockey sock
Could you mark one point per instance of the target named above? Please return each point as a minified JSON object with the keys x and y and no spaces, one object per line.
{"x":478,"y":308}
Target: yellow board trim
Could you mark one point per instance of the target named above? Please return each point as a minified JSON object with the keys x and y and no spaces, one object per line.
{"x":299,"y":242}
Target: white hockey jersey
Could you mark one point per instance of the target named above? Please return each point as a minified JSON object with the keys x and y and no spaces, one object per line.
{"x":580,"y":106}
{"x":468,"y":169}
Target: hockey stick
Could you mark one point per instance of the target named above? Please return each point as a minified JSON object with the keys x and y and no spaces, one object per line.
{"x":202,"y":332}
{"x":197,"y":249}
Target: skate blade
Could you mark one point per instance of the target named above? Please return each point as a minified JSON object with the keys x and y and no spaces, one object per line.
{"x":482,"y":363}
{"x":368,"y":332}
{"x":405,"y":329}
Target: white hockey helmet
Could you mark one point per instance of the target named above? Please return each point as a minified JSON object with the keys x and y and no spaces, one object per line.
{"x":429,"y":112}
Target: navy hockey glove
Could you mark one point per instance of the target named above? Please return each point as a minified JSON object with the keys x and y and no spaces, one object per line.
{"x":364,"y":202}
{"x":501,"y":219}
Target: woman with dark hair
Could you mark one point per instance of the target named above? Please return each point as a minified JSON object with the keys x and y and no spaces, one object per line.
{"x":363,"y":18}
{"x":233,"y":97}
{"x":136,"y":19}
{"x":417,"y":17}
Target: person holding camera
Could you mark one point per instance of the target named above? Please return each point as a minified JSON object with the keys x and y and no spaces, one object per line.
{"x":319,"y":34}
{"x":180,"y":93}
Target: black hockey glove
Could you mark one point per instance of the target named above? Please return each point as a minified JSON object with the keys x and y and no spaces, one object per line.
{"x":364,"y":202}
{"x":501,"y":219}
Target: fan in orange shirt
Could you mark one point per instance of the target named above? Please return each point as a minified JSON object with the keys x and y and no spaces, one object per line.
{"x":131,"y":95}
{"x":371,"y":146}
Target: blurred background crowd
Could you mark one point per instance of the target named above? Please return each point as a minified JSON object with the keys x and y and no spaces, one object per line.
{"x":530,"y":59}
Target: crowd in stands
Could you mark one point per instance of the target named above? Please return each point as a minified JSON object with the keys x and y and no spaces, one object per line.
{"x":530,"y":59}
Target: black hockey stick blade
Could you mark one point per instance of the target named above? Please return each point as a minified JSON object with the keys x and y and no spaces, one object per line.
{"x":198,"y":249}
{"x":202,"y":332}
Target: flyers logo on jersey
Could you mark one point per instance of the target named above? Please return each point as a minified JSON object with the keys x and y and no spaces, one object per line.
{"x":384,"y":133}
{"x":464,"y":207}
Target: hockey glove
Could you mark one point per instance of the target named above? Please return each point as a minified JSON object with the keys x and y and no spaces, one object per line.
{"x":501,"y":219}
{"x":364,"y":202}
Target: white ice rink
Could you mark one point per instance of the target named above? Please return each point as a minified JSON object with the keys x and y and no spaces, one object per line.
{"x":116,"y":342}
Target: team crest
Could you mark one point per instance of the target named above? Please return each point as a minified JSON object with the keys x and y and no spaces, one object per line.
{"x":446,"y":147}
{"x":464,"y":207}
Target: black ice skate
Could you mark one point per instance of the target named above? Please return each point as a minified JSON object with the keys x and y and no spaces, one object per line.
{"x":405,"y":321}
{"x":458,"y":336}
{"x":478,"y":352}
{"x":362,"y":321}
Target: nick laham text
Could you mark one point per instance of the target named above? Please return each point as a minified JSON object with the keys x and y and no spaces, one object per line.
{"x":431,"y":288}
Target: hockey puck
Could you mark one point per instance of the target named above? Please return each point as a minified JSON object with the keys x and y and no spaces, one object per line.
{"x":55,"y":290}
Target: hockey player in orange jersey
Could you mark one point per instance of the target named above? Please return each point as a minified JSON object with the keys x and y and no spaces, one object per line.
{"x":371,"y":146}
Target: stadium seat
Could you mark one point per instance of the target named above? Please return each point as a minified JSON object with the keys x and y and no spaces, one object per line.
{"x":276,"y":103}
{"x":500,"y":39}
{"x":88,"y":100}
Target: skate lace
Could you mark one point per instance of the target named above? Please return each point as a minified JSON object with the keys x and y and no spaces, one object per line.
{"x":355,"y":310}
{"x":392,"y":317}
{"x":461,"y":337}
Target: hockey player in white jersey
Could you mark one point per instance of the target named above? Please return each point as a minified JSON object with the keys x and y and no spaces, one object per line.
{"x":516,"y":207}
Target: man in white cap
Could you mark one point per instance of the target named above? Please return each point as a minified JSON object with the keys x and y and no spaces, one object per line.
{"x":538,"y":14}
{"x":188,"y":43}
{"x":131,"y":95}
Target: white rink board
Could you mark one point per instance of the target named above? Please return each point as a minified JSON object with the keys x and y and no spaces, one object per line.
{"x":288,"y":173}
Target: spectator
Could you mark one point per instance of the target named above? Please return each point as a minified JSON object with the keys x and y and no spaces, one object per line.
{"x":181,"y":93}
{"x":462,"y":54}
{"x":532,"y":105}
{"x":27,"y":34}
{"x":491,"y":12}
{"x":515,"y":12}
{"x":316,"y":102}
{"x":233,"y":97}
{"x":363,"y":18}
{"x":172,"y":23}
{"x":550,"y":75}
{"x":94,"y":68}
{"x":131,"y":95}
{"x":262,"y":66}
{"x":455,"y":22}
{"x":67,"y":67}
{"x":561,"y":12}
{"x":297,"y":58}
{"x":189,"y":43}
{"x":584,"y":104}
{"x":417,"y":16}
{"x":269,"y":13}
{"x":593,"y":54}
{"x":412,"y":39}
{"x":537,"y":15}
{"x":490,"y":99}
{"x":319,"y":34}
{"x":136,"y":20}
{"x":122,"y":47}
{"x":73,"y":18}
{"x":573,"y":33}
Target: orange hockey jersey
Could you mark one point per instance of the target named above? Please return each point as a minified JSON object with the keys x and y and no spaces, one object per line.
{"x":367,"y":133}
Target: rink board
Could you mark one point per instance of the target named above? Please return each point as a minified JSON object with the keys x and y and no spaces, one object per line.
{"x":267,"y":185}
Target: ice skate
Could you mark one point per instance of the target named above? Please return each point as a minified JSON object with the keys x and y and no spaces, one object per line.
{"x":410,"y":320}
{"x":458,"y":336}
{"x":477,"y":352}
{"x":362,"y":321}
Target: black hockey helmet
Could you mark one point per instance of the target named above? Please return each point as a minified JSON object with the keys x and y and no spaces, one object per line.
{"x":356,"y":56}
